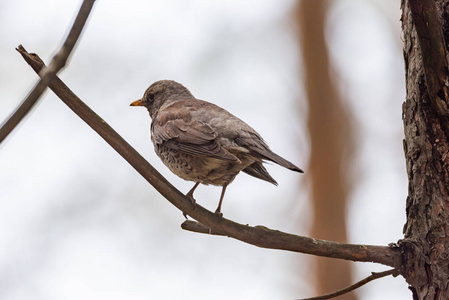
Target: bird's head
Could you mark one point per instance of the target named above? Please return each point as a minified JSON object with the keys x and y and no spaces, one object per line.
{"x":161,"y":94}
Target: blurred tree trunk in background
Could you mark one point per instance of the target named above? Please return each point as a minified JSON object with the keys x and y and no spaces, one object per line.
{"x":331,"y":146}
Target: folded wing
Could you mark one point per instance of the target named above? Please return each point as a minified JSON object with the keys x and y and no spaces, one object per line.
{"x":189,"y":136}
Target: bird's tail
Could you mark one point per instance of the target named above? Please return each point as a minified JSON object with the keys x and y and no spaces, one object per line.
{"x":258,"y":170}
{"x":270,"y":155}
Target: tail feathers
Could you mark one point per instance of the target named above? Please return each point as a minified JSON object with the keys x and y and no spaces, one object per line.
{"x":281,"y":161}
{"x":258,"y":170}
{"x":255,"y":144}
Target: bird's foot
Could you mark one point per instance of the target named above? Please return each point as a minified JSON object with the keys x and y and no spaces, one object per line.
{"x":190,"y":196}
{"x":192,"y":200}
{"x":219,"y":214}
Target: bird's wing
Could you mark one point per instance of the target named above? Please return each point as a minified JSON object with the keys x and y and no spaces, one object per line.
{"x":187,"y":135}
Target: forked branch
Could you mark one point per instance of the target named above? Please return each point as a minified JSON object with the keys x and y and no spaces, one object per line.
{"x":56,"y":64}
{"x":259,"y":236}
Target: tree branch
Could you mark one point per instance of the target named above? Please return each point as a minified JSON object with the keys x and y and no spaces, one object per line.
{"x":199,"y":228}
{"x":373,"y":276}
{"x":259,"y":236}
{"x":56,"y":64}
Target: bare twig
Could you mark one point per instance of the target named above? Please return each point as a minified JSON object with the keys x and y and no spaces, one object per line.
{"x":56,"y":64}
{"x":259,"y":236}
{"x":373,"y":276}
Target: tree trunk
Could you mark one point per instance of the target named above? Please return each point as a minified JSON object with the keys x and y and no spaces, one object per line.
{"x":426,"y":244}
{"x":330,"y":137}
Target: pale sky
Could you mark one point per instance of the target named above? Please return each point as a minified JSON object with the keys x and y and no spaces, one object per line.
{"x":77,"y":222}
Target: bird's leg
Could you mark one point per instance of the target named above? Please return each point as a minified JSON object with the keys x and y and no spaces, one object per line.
{"x":190,"y":194}
{"x":218,"y":210}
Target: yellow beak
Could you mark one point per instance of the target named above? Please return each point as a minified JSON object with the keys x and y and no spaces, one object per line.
{"x":137,"y":103}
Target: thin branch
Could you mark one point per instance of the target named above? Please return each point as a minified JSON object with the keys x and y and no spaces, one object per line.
{"x":373,"y":276}
{"x":259,"y":236}
{"x":56,"y":64}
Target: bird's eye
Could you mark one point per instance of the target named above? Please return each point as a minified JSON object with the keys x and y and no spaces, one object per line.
{"x":151,"y":96}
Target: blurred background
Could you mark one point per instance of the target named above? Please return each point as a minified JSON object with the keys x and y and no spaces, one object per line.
{"x":321,"y":81}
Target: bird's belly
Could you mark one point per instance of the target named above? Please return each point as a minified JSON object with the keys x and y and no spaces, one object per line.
{"x":205,"y":170}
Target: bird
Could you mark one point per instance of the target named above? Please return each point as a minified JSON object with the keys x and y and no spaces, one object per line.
{"x":202,"y":142}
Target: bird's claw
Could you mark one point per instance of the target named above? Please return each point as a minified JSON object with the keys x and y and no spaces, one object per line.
{"x":192,"y":200}
{"x":219,"y":214}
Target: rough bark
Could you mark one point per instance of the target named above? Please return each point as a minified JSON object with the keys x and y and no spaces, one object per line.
{"x":331,"y":144}
{"x":426,"y":243}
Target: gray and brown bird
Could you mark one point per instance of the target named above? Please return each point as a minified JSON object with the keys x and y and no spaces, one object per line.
{"x":202,"y":142}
